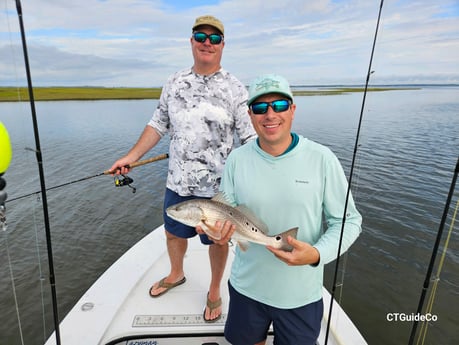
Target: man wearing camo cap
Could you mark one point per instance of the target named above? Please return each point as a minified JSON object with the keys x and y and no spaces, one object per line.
{"x":201,"y":108}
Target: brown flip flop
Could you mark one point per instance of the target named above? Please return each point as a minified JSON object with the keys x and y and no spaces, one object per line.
{"x":212,"y":305}
{"x":163,"y":284}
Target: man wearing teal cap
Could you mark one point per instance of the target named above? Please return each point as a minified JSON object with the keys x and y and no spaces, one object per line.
{"x":287,"y":181}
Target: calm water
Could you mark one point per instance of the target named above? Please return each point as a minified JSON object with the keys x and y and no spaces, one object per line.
{"x":408,"y":149}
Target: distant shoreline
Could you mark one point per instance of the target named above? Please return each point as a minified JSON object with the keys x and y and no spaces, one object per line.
{"x":13,"y":94}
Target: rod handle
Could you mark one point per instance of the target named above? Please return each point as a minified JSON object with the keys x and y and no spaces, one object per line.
{"x":142,"y":162}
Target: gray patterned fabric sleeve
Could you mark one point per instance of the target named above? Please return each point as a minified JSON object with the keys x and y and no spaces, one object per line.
{"x":202,"y":115}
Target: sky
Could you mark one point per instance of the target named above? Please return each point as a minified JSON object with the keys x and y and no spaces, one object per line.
{"x":139,"y":43}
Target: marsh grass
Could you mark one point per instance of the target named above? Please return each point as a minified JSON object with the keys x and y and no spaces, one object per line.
{"x":346,"y":90}
{"x":12,"y":94}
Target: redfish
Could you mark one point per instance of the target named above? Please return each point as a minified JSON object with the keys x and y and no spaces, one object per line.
{"x":205,"y":212}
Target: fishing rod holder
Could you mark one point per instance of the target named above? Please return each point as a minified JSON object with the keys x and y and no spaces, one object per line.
{"x":3,"y":197}
{"x":124,"y":180}
{"x":3,"y":224}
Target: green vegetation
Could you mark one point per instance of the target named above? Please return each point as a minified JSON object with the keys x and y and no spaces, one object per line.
{"x":12,"y":94}
{"x":345,"y":90}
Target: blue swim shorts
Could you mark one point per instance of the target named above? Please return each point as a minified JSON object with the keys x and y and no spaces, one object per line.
{"x":248,"y":322}
{"x":176,"y":228}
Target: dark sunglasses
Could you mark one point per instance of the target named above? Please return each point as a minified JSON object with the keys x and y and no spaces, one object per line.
{"x":202,"y":36}
{"x":278,"y":106}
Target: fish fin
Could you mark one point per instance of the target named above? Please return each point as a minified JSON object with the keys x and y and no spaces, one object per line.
{"x":284,"y":235}
{"x":244,"y":245}
{"x":211,"y":230}
{"x":221,"y":197}
{"x":253,"y":218}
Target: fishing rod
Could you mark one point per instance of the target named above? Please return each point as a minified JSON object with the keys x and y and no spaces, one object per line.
{"x":119,"y":181}
{"x":38,"y":152}
{"x":356,"y":145}
{"x":434,"y":252}
{"x":52,"y":280}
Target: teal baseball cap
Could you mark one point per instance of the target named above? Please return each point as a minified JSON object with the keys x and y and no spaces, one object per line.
{"x":269,"y":83}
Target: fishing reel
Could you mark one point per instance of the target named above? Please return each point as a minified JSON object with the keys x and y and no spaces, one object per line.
{"x":124,"y":180}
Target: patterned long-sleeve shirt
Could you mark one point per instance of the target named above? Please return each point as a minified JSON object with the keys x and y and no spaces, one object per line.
{"x":203,"y":116}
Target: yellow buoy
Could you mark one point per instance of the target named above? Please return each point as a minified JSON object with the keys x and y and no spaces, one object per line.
{"x":5,"y":149}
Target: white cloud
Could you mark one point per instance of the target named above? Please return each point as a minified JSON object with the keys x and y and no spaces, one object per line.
{"x":141,"y":42}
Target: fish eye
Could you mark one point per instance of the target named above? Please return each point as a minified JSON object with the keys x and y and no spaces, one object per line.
{"x":278,"y":238}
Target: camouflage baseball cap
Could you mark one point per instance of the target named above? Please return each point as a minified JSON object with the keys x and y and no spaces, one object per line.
{"x":269,"y":83}
{"x":209,"y":20}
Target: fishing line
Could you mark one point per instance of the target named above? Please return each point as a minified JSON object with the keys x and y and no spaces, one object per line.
{"x":15,"y":297}
{"x":38,"y":153}
{"x":434,"y":252}
{"x":356,"y":145}
{"x":124,"y":180}
{"x":41,"y":278}
{"x":355,"y":187}
{"x":424,"y":329}
{"x":344,"y":257}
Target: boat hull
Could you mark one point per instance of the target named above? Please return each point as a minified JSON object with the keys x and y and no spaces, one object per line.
{"x":117,"y":308}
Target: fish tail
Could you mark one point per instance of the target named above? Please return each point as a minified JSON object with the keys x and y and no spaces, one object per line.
{"x":284,"y":239}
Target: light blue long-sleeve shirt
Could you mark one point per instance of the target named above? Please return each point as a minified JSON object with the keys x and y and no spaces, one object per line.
{"x":301,"y":188}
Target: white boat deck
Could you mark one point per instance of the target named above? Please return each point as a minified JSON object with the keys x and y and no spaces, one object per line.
{"x":117,"y":309}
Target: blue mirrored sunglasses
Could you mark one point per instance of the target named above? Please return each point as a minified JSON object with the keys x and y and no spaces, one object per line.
{"x":202,"y":36}
{"x":278,"y":106}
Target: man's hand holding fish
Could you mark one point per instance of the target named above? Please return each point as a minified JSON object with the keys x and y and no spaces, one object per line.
{"x":225,"y":228}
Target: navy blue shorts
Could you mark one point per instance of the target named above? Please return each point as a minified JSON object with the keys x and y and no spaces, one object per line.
{"x":176,"y":228}
{"x":248,"y":322}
